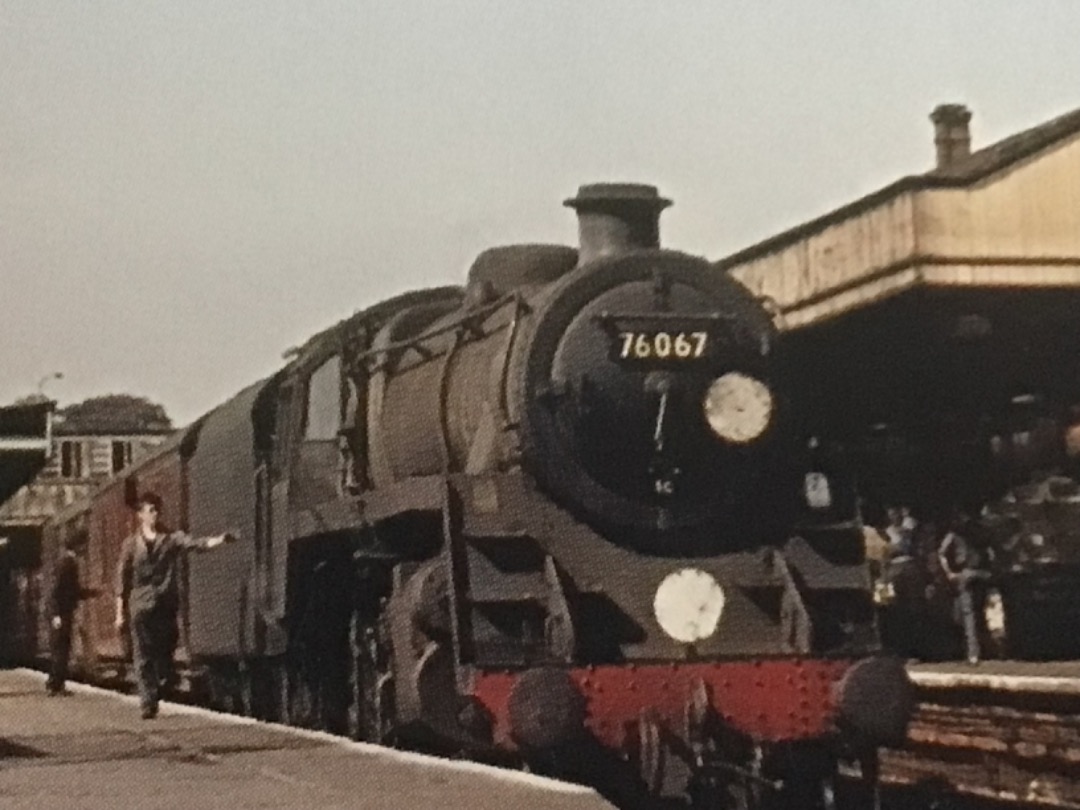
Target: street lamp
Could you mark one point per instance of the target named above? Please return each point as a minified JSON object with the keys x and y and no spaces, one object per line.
{"x":56,"y":375}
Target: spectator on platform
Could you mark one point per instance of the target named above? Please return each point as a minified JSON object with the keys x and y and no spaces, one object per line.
{"x":875,"y":543}
{"x":147,"y":594}
{"x":876,"y":551}
{"x":1072,"y":443}
{"x":960,"y":561}
{"x":899,"y":531}
{"x":64,"y":597}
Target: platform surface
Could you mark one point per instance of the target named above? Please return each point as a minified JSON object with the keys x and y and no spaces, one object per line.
{"x":1062,"y":677}
{"x":91,"y":751}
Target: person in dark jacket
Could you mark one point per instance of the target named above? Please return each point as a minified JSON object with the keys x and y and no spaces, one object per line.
{"x":147,"y":596}
{"x":63,"y":599}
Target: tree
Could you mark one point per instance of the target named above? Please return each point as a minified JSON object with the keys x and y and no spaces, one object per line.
{"x":113,"y":414}
{"x":31,"y":399}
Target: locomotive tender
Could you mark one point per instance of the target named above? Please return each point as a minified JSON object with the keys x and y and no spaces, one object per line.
{"x":560,"y":512}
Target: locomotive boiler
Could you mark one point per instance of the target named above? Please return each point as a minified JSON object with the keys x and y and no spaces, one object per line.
{"x":559,"y":515}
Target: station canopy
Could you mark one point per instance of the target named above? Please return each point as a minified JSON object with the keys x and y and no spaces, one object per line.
{"x":942,"y":298}
{"x":24,"y":444}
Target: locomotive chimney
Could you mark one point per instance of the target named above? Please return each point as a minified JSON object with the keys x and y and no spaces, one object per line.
{"x":952,"y":138}
{"x":616,"y":217}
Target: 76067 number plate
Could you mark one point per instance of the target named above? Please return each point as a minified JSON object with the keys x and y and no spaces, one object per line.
{"x":660,"y":345}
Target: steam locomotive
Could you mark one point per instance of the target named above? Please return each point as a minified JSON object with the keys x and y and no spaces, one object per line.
{"x":559,"y":517}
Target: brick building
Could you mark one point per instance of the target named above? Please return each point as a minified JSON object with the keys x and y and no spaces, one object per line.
{"x":82,"y":456}
{"x":25,"y":442}
{"x":74,"y":457}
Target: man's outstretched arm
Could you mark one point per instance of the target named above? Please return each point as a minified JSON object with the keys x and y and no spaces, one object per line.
{"x":188,"y":541}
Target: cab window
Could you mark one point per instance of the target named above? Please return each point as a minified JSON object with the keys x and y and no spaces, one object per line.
{"x":323,"y":421}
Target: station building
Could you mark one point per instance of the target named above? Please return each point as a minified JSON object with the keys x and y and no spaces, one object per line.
{"x":932,"y":327}
{"x":48,"y":462}
{"x":25,"y":447}
{"x":80,"y":458}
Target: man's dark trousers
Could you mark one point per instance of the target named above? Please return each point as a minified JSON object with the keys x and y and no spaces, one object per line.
{"x":152,"y":648}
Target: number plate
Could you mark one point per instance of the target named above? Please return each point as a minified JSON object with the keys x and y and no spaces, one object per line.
{"x":660,"y":346}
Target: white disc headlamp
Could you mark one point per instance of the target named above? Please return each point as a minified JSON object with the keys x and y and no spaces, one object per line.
{"x":738,"y":407}
{"x":688,"y":605}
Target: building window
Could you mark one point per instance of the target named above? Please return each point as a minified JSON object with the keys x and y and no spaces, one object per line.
{"x":121,"y":455}
{"x":324,"y":402}
{"x":71,"y":459}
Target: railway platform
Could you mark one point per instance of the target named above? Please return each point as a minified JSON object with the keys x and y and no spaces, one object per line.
{"x":1032,"y":677}
{"x":1006,"y":731}
{"x":91,"y":750}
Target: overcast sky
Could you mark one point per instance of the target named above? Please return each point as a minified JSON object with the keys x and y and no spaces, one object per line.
{"x":189,"y":188}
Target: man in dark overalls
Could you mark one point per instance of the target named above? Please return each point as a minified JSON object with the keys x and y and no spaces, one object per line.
{"x":147,"y":594}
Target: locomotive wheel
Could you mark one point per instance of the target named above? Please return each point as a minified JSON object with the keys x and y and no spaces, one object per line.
{"x":818,"y":794}
{"x":298,"y":697}
{"x":318,"y":659}
{"x":799,"y":780}
{"x":274,"y":690}
{"x":744,"y":795}
{"x":370,"y":682}
{"x":828,"y":793}
{"x":285,"y":705}
{"x":245,"y":691}
{"x":870,"y":765}
{"x":260,"y":686}
{"x":223,"y":681}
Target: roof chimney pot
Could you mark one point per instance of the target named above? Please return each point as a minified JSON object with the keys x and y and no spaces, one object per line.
{"x":952,"y":137}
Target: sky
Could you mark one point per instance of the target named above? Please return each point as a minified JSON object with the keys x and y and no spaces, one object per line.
{"x":190,"y":188}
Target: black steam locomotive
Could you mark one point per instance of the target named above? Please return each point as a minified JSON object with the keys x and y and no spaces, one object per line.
{"x":557,"y":516}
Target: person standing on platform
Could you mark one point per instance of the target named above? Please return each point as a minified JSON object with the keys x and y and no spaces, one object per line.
{"x":64,"y":597}
{"x":147,"y":595}
{"x":899,"y":530}
{"x":960,"y":561}
{"x":1072,"y":443}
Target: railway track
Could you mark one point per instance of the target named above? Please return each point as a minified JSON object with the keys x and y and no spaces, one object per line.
{"x":1016,"y":746}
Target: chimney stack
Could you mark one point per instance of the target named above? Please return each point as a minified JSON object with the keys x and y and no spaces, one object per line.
{"x":616,"y":217}
{"x":952,"y":137}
